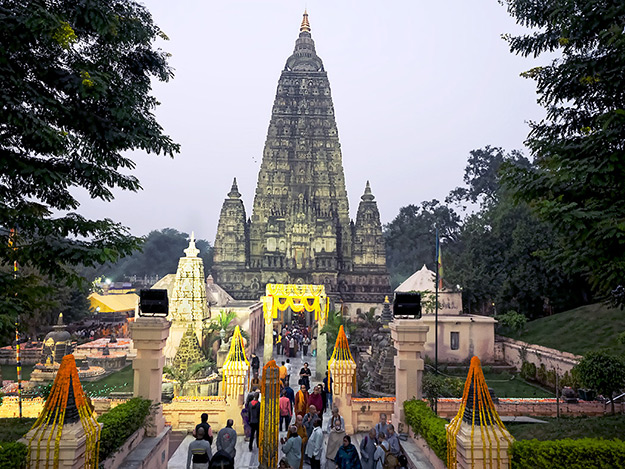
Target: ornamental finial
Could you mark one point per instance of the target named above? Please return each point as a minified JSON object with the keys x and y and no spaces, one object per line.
{"x":305,"y":27}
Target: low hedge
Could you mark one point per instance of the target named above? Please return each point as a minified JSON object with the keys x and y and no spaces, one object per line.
{"x":585,"y":453}
{"x":120,"y":423}
{"x":13,"y":455}
{"x":426,"y":423}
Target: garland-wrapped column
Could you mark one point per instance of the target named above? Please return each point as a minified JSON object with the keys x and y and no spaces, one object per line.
{"x":66,"y":434}
{"x":235,"y":375}
{"x":342,"y":369}
{"x":269,"y":417}
{"x":476,"y":437}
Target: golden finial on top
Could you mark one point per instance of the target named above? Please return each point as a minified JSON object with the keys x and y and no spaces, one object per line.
{"x":305,"y":27}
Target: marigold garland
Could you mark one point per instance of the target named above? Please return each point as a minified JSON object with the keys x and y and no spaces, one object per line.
{"x":269,"y":416}
{"x":484,"y":415}
{"x":342,"y":362}
{"x":236,"y":366}
{"x":52,"y":417}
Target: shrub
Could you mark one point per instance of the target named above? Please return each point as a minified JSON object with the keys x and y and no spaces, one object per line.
{"x":586,"y":453}
{"x":426,"y":423}
{"x":528,"y":371}
{"x":120,"y":423}
{"x":512,"y":322}
{"x":13,"y":455}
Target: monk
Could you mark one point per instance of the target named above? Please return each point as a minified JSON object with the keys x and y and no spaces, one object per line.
{"x":301,"y":401}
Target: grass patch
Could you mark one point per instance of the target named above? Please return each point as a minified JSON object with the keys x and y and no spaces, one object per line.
{"x":580,"y":330}
{"x":14,"y":429}
{"x":505,"y":385}
{"x":122,"y":380}
{"x":608,"y":427}
{"x":10,"y":372}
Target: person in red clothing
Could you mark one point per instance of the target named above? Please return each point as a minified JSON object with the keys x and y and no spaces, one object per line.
{"x":286,"y":411}
{"x":316,"y":399}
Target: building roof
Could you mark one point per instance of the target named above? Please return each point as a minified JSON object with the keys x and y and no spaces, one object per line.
{"x":114,"y":303}
{"x":422,"y":280}
{"x":166,"y":283}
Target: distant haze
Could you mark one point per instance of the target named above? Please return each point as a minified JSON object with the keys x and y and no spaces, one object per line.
{"x":416,"y":86}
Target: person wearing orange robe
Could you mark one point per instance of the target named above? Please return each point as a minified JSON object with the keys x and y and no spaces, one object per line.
{"x":301,"y":401}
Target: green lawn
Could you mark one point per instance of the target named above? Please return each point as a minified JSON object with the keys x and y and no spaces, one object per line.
{"x":579,"y":330}
{"x":507,"y":385}
{"x":10,"y":372}
{"x":122,"y":380}
{"x":608,"y":427}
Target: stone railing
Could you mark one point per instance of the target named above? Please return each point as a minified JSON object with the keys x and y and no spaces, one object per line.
{"x":514,"y":352}
{"x":448,"y":408}
{"x":183,"y":414}
{"x":366,"y":411}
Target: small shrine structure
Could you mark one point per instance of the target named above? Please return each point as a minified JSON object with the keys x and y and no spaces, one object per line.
{"x":342,"y":368}
{"x":187,"y":305}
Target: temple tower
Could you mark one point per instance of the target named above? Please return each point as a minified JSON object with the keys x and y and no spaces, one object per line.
{"x":300,"y":231}
{"x":187,"y":305}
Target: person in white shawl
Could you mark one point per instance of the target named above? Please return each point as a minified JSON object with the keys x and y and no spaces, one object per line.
{"x":380,"y":452}
{"x":336,"y":430}
{"x":314,"y":447}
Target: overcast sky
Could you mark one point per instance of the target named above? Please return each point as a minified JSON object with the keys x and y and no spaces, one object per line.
{"x":416,"y":85}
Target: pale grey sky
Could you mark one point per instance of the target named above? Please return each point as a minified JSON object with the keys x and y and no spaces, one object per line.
{"x":416,"y":85}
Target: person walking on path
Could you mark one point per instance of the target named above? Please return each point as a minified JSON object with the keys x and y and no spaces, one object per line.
{"x":286,"y":411}
{"x":227,"y":439}
{"x":255,"y":364}
{"x":313,"y":347}
{"x":208,"y":433}
{"x":379,"y":457}
{"x":382,"y":426}
{"x":291,"y":346}
{"x":292,"y":448}
{"x":305,"y":344}
{"x":309,"y":419}
{"x":367,"y":450}
{"x":347,"y":455}
{"x":316,"y":399}
{"x":199,"y":451}
{"x":327,"y":389}
{"x":304,"y":376}
{"x":336,"y":430}
{"x":301,"y":401}
{"x":283,"y":372}
{"x":254,"y":420}
{"x":314,"y":447}
{"x":289,"y":367}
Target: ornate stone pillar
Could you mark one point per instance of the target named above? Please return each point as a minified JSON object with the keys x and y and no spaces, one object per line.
{"x":409,"y":337}
{"x":149,"y":335}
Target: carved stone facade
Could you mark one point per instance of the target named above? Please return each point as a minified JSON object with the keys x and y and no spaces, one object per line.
{"x":300,"y":230}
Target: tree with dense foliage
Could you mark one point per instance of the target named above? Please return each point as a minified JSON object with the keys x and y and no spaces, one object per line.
{"x":496,"y":256}
{"x":75,"y":82}
{"x":577,"y":181}
{"x":158,"y":255}
{"x":603,"y":372}
{"x":411,"y":237}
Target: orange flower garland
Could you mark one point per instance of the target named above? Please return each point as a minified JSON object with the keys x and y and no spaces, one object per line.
{"x":52,"y":418}
{"x":484,"y":415}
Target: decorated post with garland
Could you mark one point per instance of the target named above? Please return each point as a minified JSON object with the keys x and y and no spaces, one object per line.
{"x":476,"y":437}
{"x":235,"y":378}
{"x":269,"y":417}
{"x":66,"y":434}
{"x":342,"y":369}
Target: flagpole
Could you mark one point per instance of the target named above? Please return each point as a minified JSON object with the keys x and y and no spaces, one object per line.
{"x":436,"y":308}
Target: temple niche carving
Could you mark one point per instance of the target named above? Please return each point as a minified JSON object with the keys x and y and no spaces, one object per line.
{"x":300,"y":231}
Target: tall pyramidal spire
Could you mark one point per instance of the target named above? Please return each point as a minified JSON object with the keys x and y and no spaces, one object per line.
{"x":300,"y":230}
